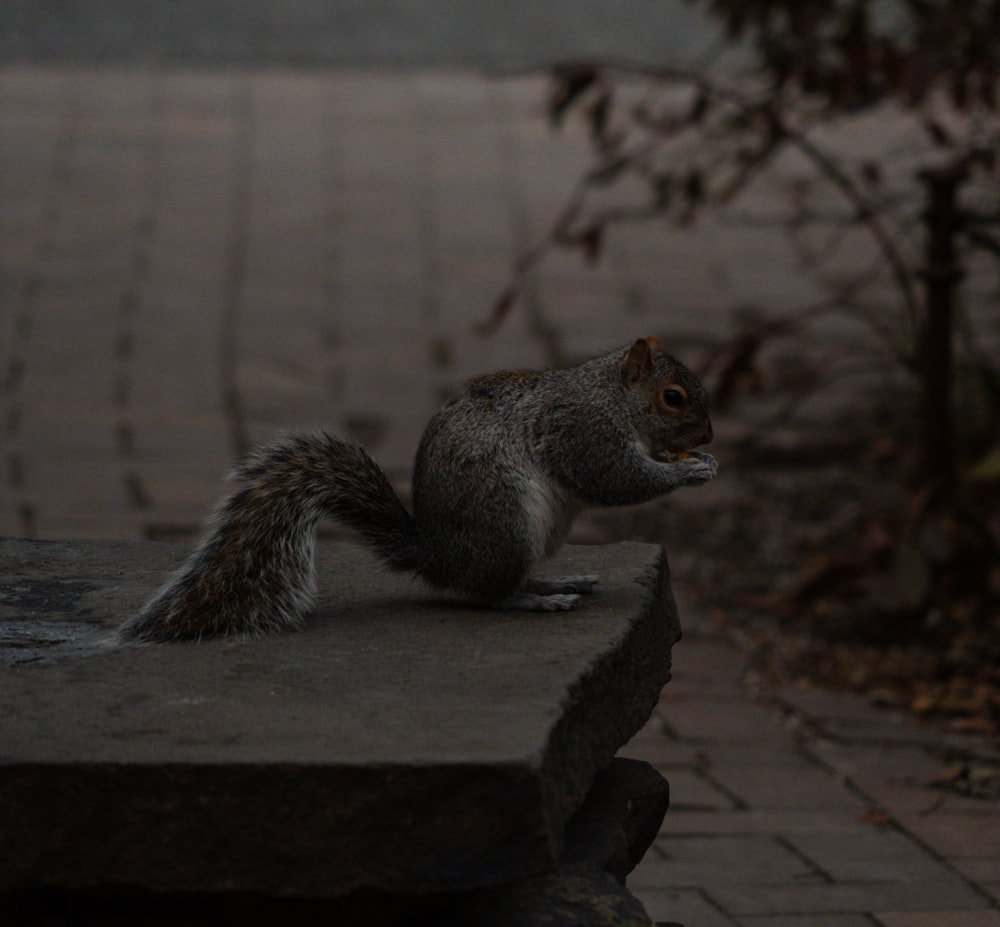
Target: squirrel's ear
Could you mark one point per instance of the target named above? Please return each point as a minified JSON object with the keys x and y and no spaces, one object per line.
{"x":638,"y":363}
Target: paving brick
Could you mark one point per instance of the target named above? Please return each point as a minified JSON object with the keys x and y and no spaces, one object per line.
{"x":662,"y":752}
{"x":880,"y":767}
{"x":938,"y":918}
{"x":981,"y":869}
{"x":682,"y":906}
{"x":824,"y":704}
{"x":859,"y":722}
{"x":806,"y":920}
{"x":957,"y":835}
{"x":780,"y":786}
{"x":62,"y":524}
{"x":690,"y":790}
{"x":943,"y":894}
{"x":726,"y":719}
{"x":868,"y":855}
{"x":899,"y":777}
{"x":778,"y":823}
{"x":775,"y":748}
{"x":719,"y":668}
{"x":679,"y":861}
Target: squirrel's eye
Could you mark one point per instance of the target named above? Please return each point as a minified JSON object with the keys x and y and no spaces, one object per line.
{"x":673,"y":398}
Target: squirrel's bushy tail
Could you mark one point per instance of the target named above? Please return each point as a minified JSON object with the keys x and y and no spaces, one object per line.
{"x":328,"y":477}
{"x":253,"y":571}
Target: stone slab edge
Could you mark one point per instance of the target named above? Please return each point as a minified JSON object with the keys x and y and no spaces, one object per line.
{"x":610,"y":701}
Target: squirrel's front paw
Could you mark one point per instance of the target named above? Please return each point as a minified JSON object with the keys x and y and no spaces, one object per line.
{"x":696,"y":467}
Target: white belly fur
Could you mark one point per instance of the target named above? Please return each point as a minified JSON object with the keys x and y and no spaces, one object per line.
{"x":549,"y":511}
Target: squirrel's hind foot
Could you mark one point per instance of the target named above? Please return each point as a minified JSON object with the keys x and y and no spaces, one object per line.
{"x":532,"y":602}
{"x":580,"y":585}
{"x":552,"y":595}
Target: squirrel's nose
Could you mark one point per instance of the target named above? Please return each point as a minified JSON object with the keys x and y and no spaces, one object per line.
{"x":706,"y":435}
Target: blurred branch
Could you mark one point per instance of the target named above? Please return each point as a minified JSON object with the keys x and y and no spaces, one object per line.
{"x":577,"y":81}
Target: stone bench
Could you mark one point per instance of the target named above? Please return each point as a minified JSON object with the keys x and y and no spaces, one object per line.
{"x":404,"y":752}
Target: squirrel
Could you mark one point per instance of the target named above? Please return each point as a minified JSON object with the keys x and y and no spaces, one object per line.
{"x":501,"y":471}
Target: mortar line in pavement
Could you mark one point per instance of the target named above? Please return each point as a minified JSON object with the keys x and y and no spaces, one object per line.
{"x":805,"y":858}
{"x":427,"y":220}
{"x":132,"y":296}
{"x":333,"y":223}
{"x":242,"y":106}
{"x":64,"y":152}
{"x":700,"y":770}
{"x":438,"y":341}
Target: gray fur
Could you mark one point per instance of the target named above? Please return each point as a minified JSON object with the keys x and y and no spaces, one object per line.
{"x":500,"y":474}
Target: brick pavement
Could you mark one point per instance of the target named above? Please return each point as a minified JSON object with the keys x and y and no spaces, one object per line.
{"x":191,"y":260}
{"x":800,"y":807}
